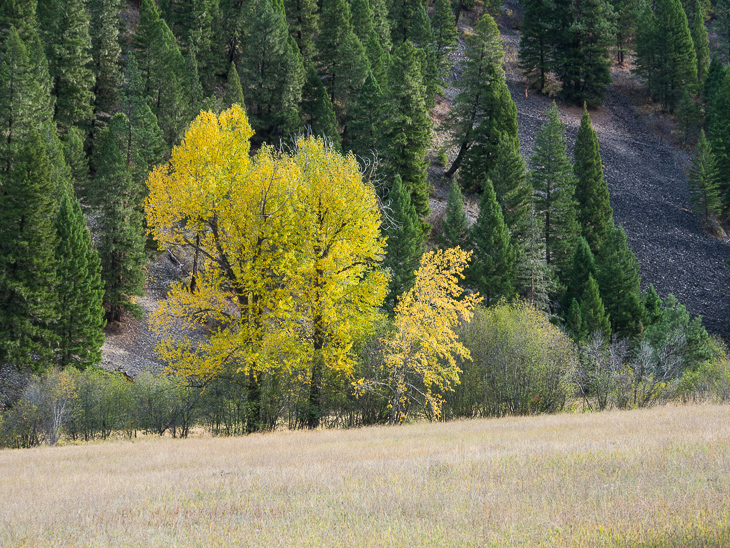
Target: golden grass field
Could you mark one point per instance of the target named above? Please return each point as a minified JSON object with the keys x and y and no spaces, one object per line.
{"x":657,"y":477}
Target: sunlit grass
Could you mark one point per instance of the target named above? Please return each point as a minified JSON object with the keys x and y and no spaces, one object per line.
{"x":658,"y":477}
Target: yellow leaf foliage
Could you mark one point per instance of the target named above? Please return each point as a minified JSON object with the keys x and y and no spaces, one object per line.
{"x":288,"y":244}
{"x":421,"y":353}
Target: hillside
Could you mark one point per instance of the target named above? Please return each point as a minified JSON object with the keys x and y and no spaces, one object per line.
{"x":598,"y":479}
{"x":649,"y":195}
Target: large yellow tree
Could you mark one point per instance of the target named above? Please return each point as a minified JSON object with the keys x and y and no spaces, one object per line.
{"x":286,"y":250}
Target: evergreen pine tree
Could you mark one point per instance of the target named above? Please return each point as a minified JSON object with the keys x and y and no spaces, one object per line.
{"x":381,"y":23}
{"x":379,"y":59}
{"x":689,"y":117}
{"x":405,"y":243}
{"x":581,"y":57}
{"x":627,"y":14}
{"x":492,"y":271}
{"x":719,"y":129}
{"x":552,"y":178}
{"x":700,"y":42}
{"x":303,"y":19}
{"x":105,"y":52}
{"x":168,"y":88}
{"x":483,"y":112}
{"x":351,"y":74}
{"x":272,"y":75}
{"x":335,"y":27}
{"x":593,"y":206}
{"x":362,"y":19}
{"x":713,"y":80}
{"x":194,"y":22}
{"x":195,"y":89}
{"x":574,"y":321}
{"x":20,"y":15}
{"x":582,"y":267}
{"x":143,"y":38}
{"x":364,"y":131}
{"x":407,"y":128}
{"x":80,"y":290}
{"x":653,"y":306}
{"x":509,"y":178}
{"x":592,"y":312}
{"x":454,"y":229}
{"x":704,"y":181}
{"x":145,"y":143}
{"x":27,"y":259}
{"x":23,"y":102}
{"x":665,"y":55}
{"x":445,"y":35}
{"x":617,"y":274}
{"x":234,"y":92}
{"x":535,"y":54}
{"x":535,"y":277}
{"x":721,"y":27}
{"x":65,"y":32}
{"x":421,"y":35}
{"x":121,"y":239}
{"x":318,"y":111}
{"x":401,"y":16}
{"x":73,"y":151}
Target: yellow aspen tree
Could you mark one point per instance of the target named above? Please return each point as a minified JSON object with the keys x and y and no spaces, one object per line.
{"x":338,"y":285}
{"x":420,"y":354}
{"x":231,"y":213}
{"x":286,"y":250}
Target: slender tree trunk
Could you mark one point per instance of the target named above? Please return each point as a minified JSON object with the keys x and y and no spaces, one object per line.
{"x":459,"y":157}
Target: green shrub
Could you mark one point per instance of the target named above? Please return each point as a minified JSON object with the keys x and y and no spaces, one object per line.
{"x":519,"y":360}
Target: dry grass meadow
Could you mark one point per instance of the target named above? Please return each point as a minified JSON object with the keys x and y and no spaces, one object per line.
{"x":658,"y":477}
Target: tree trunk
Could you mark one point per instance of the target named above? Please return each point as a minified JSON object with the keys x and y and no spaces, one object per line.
{"x":457,"y":162}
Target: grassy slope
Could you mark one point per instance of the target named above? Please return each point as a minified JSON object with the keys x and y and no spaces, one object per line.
{"x":660,"y":476}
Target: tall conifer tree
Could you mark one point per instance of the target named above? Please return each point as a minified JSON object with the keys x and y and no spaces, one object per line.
{"x":364,"y":131}
{"x":303,"y":19}
{"x":405,"y":243}
{"x":121,"y":242}
{"x":514,"y":193}
{"x":79,"y":288}
{"x":581,"y":57}
{"x":106,"y":51}
{"x":273,"y":75}
{"x":492,"y":271}
{"x":318,"y":111}
{"x":28,"y":302}
{"x":592,"y":312}
{"x":234,"y":90}
{"x":582,"y":267}
{"x":407,"y":131}
{"x":445,"y":35}
{"x":552,"y":178}
{"x":335,"y":27}
{"x":617,"y":274}
{"x":65,"y":32}
{"x":700,"y":42}
{"x":454,"y":228}
{"x":483,"y":111}
{"x":704,"y":181}
{"x":665,"y":55}
{"x":593,"y":206}
{"x":536,"y":51}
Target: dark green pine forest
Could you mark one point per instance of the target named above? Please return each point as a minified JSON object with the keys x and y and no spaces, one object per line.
{"x":95,"y":93}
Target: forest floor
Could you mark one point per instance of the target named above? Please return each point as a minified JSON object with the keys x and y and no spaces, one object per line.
{"x":619,"y":478}
{"x":644,"y":169}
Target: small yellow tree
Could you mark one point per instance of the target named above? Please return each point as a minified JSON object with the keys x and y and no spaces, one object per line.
{"x":420,"y":354}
